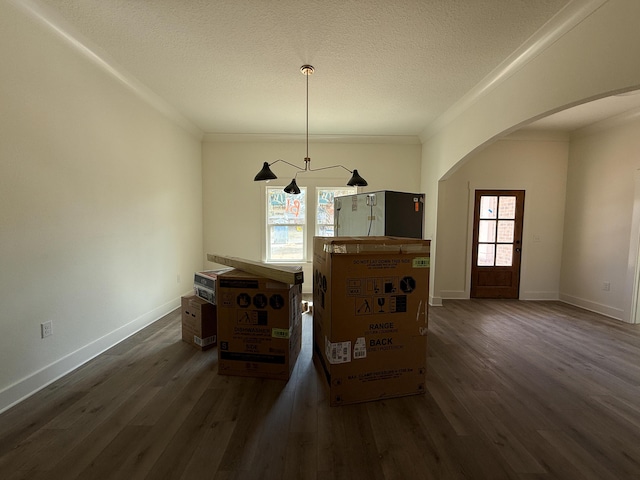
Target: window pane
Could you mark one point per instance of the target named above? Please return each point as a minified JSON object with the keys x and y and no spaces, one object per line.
{"x":487,"y":231}
{"x":286,"y":242}
{"x":504,"y":255}
{"x":325,"y":231}
{"x":507,"y":207}
{"x":488,"y":206}
{"x":505,"y":231}
{"x":486,"y":254}
{"x":324,"y":213}
{"x":285,"y":208}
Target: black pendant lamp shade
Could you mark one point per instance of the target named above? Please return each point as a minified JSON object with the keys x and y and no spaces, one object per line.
{"x":356,"y":180}
{"x":265,"y":173}
{"x":292,"y":187}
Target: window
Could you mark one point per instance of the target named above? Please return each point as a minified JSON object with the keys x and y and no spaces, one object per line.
{"x":324,"y":208}
{"x":286,"y":222}
{"x":496,"y":229}
{"x":288,"y":237}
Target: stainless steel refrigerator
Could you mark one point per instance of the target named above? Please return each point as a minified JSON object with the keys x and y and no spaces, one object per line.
{"x":383,"y":213}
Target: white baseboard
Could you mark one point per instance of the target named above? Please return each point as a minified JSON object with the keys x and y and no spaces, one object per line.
{"x":31,"y":384}
{"x":607,"y":311}
{"x":533,"y":295}
{"x":435,"y":301}
{"x":454,"y":295}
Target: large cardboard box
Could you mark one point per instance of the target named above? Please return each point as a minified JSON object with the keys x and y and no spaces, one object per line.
{"x":259,"y":325}
{"x":370,"y":316}
{"x":199,"y":322}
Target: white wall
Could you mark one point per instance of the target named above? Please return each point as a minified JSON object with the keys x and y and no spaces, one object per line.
{"x":526,"y":161}
{"x":595,"y":57}
{"x":601,"y":233}
{"x":100,"y":208}
{"x":234,"y":204}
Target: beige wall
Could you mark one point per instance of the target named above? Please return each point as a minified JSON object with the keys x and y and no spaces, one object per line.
{"x":534,"y":163}
{"x":100,"y":208}
{"x":562,"y":74}
{"x":234,"y":204}
{"x":601,"y":225}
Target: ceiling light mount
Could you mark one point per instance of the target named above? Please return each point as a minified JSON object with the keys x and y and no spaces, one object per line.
{"x":307,"y":70}
{"x":266,"y":174}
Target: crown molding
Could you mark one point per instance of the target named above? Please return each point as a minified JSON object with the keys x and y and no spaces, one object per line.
{"x":63,"y":29}
{"x":537,"y":135}
{"x":294,"y":138}
{"x":564,"y":21}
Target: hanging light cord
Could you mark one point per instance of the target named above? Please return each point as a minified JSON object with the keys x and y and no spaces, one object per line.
{"x":307,"y":159}
{"x":266,"y":174}
{"x":308,"y":70}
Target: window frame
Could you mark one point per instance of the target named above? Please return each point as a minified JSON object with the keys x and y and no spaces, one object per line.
{"x":268,"y":225}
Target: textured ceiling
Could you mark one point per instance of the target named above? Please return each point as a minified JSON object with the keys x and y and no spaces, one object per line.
{"x":383,"y":67}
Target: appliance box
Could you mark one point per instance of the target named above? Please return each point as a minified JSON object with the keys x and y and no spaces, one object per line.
{"x":370,"y":316}
{"x":259,"y":325}
{"x":199,"y":322}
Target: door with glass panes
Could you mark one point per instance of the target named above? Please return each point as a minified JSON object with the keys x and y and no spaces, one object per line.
{"x":497,"y":243}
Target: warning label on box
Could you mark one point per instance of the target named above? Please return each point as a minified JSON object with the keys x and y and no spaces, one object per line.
{"x":251,"y":317}
{"x":380,"y":305}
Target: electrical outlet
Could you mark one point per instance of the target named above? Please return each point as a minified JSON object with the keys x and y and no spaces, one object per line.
{"x":178,"y":278}
{"x":606,"y":286}
{"x":46,"y":329}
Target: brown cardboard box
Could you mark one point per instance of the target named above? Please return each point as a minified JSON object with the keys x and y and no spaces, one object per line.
{"x":259,"y":325}
{"x":199,"y":322}
{"x":370,"y":316}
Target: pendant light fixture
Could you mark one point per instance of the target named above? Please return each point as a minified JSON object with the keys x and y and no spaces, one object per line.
{"x":266,"y":174}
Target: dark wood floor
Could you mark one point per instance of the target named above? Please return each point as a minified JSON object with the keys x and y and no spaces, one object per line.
{"x":516,"y":390}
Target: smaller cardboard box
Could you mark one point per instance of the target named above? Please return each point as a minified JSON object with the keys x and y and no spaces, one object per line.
{"x":199,"y":322}
{"x":204,"y":284}
{"x":259,"y":325}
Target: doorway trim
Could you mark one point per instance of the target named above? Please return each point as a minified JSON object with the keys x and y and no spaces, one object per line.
{"x":633,"y":270}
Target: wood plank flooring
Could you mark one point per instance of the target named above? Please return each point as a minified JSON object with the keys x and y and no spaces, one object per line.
{"x":515,"y":390}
